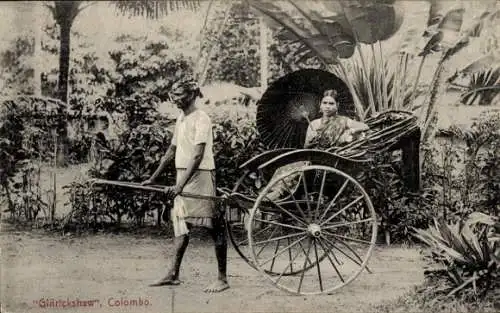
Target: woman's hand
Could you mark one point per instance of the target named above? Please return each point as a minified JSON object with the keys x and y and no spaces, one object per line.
{"x":359,"y":134}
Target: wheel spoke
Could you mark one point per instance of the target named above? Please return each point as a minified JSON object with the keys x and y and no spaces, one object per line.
{"x":350,"y":238}
{"x":275,"y":250}
{"x":318,"y":267}
{"x":257,"y":233}
{"x":287,"y":212}
{"x":264,"y":246}
{"x":283,"y":250}
{"x":294,"y":200}
{"x":305,"y":262}
{"x":334,"y":199}
{"x":327,"y":251}
{"x":289,"y":265}
{"x":306,"y":195}
{"x":336,"y":220}
{"x":351,"y":249}
{"x":316,"y":215}
{"x":333,"y":246}
{"x":280,"y":224}
{"x":279,"y":238}
{"x":342,"y":210}
{"x":346,"y":223}
{"x":304,"y":250}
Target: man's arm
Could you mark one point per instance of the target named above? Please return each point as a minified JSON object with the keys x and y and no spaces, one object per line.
{"x":192,"y":166}
{"x":167,"y":158}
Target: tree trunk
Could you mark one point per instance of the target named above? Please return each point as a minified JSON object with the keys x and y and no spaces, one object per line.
{"x":37,"y":53}
{"x":264,"y":58}
{"x":64,"y":58}
{"x":64,"y":53}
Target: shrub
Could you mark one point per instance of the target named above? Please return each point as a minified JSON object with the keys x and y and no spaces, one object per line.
{"x":468,"y":253}
{"x":131,"y":158}
{"x":23,"y":133}
{"x":136,"y":155}
{"x":466,"y":171}
{"x":11,"y":153}
{"x":235,"y":142}
{"x":399,"y":210}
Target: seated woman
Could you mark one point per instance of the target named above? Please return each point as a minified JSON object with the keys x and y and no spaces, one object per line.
{"x":328,"y":131}
{"x":332,"y":129}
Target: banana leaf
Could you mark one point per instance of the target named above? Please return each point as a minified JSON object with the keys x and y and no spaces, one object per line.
{"x":444,"y":27}
{"x":330,"y":28}
{"x":374,"y":21}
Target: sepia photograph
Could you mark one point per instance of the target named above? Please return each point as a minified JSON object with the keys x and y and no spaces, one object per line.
{"x":250,"y":156}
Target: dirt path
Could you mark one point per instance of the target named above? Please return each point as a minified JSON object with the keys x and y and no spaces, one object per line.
{"x":109,"y":268}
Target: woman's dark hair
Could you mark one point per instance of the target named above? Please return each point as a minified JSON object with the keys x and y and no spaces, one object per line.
{"x":330,"y":93}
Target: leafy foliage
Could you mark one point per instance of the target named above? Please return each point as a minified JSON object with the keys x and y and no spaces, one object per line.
{"x":236,"y":55}
{"x":446,"y":33}
{"x":388,"y":86}
{"x":136,"y":153}
{"x":39,"y":119}
{"x":483,"y":87}
{"x":25,"y":125}
{"x":150,"y":68}
{"x":235,"y":142}
{"x":16,"y":73}
{"x":154,"y":9}
{"x":393,"y":203}
{"x":468,"y":178}
{"x":140,"y":80}
{"x":331,"y":29}
{"x":11,"y":155}
{"x":469,"y":253}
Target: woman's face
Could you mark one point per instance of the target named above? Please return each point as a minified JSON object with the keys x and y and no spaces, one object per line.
{"x":328,"y":106}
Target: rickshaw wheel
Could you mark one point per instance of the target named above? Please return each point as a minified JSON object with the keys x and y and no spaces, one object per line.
{"x":238,"y":234}
{"x":329,"y":232}
{"x":234,"y":222}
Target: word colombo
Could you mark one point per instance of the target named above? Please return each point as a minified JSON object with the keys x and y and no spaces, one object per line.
{"x":73,"y":303}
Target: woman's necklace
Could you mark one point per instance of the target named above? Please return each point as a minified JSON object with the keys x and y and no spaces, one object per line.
{"x":326,"y":119}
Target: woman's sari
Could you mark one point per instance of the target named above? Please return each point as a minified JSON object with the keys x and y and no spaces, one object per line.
{"x":335,"y":132}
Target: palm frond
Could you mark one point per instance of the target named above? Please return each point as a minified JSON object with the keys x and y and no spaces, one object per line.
{"x":155,"y":9}
{"x":483,"y":87}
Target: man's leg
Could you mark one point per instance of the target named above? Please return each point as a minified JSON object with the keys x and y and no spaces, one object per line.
{"x":172,"y":277}
{"x":218,"y":233}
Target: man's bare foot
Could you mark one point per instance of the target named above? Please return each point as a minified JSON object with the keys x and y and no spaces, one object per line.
{"x":168,"y":280}
{"x":218,"y":286}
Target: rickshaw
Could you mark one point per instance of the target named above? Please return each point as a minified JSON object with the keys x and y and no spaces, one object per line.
{"x":317,"y":234}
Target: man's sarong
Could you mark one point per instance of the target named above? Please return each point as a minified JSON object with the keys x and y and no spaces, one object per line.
{"x":198,"y":212}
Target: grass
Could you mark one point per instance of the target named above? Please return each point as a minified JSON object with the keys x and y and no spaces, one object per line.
{"x":415,"y":301}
